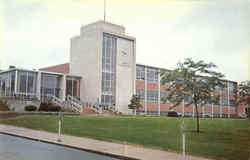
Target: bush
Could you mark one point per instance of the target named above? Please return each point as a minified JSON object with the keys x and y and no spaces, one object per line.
{"x":54,"y":108}
{"x":44,"y":107}
{"x":30,"y":108}
{"x":172,"y":114}
{"x":3,"y":105}
{"x":49,"y":107}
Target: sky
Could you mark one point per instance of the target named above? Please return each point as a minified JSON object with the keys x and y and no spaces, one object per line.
{"x":36,"y":33}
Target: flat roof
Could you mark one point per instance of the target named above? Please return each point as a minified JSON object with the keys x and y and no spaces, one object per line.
{"x":36,"y":71}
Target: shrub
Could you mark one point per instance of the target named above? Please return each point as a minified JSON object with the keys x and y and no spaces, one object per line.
{"x":49,"y":107}
{"x":44,"y":107}
{"x":30,"y":108}
{"x":3,"y":105}
{"x":172,"y":114}
{"x":54,"y":108}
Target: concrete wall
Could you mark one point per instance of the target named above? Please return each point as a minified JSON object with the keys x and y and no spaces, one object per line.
{"x":85,"y":61}
{"x":125,"y":79}
{"x":19,"y":106}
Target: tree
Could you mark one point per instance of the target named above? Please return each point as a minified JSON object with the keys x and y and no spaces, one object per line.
{"x":134,"y":103}
{"x":195,"y":81}
{"x":243,"y":97}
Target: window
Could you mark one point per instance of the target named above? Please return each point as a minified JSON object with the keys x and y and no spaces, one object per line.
{"x":231,"y":87}
{"x":108,"y":69}
{"x":140,"y":72}
{"x":50,"y":85}
{"x":140,"y":93}
{"x":7,"y":83}
{"x":152,"y":75}
{"x":152,"y":95}
{"x":22,"y":79}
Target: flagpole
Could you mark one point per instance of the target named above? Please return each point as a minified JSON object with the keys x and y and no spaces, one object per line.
{"x":104,"y":10}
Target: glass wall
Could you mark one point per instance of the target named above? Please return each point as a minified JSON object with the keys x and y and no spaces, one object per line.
{"x":140,"y":72}
{"x":26,"y":82}
{"x":108,"y":69}
{"x":7,"y":83}
{"x":50,"y":85}
{"x":73,"y":87}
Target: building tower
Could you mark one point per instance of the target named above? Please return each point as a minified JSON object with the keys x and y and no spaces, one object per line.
{"x":106,"y":59}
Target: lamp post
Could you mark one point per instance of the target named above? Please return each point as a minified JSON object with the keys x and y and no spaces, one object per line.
{"x":183,"y":130}
{"x":59,"y":126}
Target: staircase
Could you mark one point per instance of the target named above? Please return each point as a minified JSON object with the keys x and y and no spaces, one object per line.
{"x":71,"y":104}
{"x":75,"y":104}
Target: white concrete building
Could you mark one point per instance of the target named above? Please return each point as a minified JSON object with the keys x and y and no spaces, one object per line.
{"x":105,"y":57}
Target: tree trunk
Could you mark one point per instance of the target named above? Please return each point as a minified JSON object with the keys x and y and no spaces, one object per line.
{"x":197,"y":118}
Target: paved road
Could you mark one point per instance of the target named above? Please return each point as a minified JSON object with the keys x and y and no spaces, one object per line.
{"x":16,"y":148}
{"x":99,"y":146}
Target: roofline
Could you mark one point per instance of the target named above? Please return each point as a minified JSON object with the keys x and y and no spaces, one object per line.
{"x":41,"y":71}
{"x":226,"y":80}
{"x":102,"y":21}
{"x":54,"y":65}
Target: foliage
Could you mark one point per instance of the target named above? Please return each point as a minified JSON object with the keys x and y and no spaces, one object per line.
{"x":134,"y":102}
{"x":192,"y":81}
{"x":49,"y":107}
{"x":3,"y":105}
{"x":30,"y":108}
{"x":219,"y":139}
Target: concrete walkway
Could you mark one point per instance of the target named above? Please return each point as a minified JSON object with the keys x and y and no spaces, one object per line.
{"x":97,"y":145}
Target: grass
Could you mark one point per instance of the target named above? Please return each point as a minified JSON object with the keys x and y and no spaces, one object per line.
{"x":219,"y":138}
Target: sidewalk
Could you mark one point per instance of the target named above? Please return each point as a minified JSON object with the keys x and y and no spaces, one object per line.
{"x":97,"y":145}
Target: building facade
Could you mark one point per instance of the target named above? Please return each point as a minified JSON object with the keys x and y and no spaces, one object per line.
{"x":151,"y":92}
{"x":103,"y":70}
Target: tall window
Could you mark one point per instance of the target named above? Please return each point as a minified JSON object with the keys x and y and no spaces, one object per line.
{"x":26,"y":82}
{"x":7,"y":83}
{"x":140,"y":72}
{"x":108,"y":69}
{"x":72,"y":87}
{"x":50,"y":85}
{"x":140,"y":93}
{"x":152,"y":74}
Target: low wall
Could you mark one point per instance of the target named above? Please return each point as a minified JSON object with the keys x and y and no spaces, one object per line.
{"x":18,"y":106}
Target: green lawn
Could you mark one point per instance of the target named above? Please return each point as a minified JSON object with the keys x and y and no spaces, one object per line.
{"x":219,"y":138}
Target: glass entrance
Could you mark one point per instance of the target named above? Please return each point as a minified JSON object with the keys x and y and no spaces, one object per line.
{"x":73,"y":87}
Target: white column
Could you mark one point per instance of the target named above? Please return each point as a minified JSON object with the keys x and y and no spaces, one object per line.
{"x":159,"y":92}
{"x":220,"y":104}
{"x":212,"y":110}
{"x":63,"y":97}
{"x":228,"y":100}
{"x":193,"y":110}
{"x":38,"y":85}
{"x":203,"y":110}
{"x":146,"y":88}
{"x":183,"y":105}
{"x":27,"y":79}
{"x":16,"y":78}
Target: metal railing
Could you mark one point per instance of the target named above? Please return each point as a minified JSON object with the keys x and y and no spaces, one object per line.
{"x":76,"y":104}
